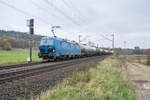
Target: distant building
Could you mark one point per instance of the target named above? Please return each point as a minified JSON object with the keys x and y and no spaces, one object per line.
{"x":137,"y":50}
{"x":126,"y":51}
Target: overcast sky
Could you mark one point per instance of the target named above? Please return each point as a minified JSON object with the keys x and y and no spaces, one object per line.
{"x":129,"y":20}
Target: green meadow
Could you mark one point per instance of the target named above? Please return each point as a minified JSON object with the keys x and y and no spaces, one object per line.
{"x":16,"y":56}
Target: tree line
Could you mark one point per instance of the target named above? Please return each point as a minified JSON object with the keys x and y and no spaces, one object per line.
{"x":12,"y":39}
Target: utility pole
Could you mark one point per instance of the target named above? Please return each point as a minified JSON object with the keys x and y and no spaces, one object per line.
{"x":125,"y":44}
{"x":97,"y":45}
{"x":80,"y":38}
{"x":143,"y":44}
{"x":113,"y":41}
{"x":30,"y":24}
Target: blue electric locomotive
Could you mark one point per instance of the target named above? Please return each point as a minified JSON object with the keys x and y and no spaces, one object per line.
{"x":57,"y":48}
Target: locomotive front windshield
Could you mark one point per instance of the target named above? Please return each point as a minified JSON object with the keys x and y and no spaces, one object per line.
{"x":46,"y":42}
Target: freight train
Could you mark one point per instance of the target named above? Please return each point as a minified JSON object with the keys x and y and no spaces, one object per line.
{"x":57,"y":48}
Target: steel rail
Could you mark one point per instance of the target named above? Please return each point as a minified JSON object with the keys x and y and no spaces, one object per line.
{"x":10,"y":76}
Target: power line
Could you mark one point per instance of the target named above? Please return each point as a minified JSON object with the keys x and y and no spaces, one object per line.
{"x":31,"y":15}
{"x":66,"y":3}
{"x":61,"y":12}
{"x":76,"y":10}
{"x":23,"y":12}
{"x":72,"y":5}
{"x":106,"y":38}
{"x":112,"y":40}
{"x":41,"y":8}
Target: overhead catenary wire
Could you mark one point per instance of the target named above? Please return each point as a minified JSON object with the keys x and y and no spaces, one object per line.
{"x":37,"y":17}
{"x":112,"y":40}
{"x":66,"y":3}
{"x":48,"y":11}
{"x":62,"y":12}
{"x":72,"y":5}
{"x":106,"y":38}
{"x":77,"y":12}
{"x":23,"y":12}
{"x":31,"y":15}
{"x":43,"y":9}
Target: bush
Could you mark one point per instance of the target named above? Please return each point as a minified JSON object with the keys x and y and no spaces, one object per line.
{"x":148,"y":56}
{"x":7,"y":46}
{"x":4,"y":44}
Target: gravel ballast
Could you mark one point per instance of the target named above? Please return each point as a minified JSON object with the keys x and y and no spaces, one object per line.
{"x":33,"y":86}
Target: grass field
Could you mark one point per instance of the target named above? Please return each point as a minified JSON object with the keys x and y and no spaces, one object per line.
{"x":106,"y":81}
{"x":16,"y":56}
{"x":142,"y":59}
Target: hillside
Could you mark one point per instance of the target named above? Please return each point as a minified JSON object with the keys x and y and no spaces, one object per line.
{"x":17,"y":39}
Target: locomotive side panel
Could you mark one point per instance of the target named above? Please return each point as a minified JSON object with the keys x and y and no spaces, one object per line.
{"x":58,"y":48}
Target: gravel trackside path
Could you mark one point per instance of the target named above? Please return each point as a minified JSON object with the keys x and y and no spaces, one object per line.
{"x":140,"y":78}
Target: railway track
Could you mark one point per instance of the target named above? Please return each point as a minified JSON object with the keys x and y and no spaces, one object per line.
{"x":16,"y":73}
{"x":20,"y":65}
{"x":30,"y":64}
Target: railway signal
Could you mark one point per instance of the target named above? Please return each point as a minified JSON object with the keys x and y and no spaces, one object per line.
{"x":30,"y":24}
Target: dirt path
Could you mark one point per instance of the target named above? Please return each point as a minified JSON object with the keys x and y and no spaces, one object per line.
{"x":140,"y":78}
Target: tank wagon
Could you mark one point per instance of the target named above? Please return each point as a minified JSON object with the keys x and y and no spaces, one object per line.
{"x":106,"y":52}
{"x":87,"y":50}
{"x":57,"y":48}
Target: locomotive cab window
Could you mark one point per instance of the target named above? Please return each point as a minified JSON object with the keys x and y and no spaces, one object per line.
{"x":46,"y":42}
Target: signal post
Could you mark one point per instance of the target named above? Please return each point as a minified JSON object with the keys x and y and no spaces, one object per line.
{"x":30,"y":24}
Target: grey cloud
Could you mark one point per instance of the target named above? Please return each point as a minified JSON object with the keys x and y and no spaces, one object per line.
{"x":129,"y":19}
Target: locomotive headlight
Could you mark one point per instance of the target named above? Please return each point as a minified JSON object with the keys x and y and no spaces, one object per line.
{"x":53,"y":50}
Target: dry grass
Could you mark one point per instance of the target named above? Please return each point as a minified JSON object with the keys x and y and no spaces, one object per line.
{"x":134,"y":59}
{"x":105,"y":81}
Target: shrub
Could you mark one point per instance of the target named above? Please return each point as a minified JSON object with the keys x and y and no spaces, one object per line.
{"x":7,"y":46}
{"x":4,"y":44}
{"x":148,"y":56}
